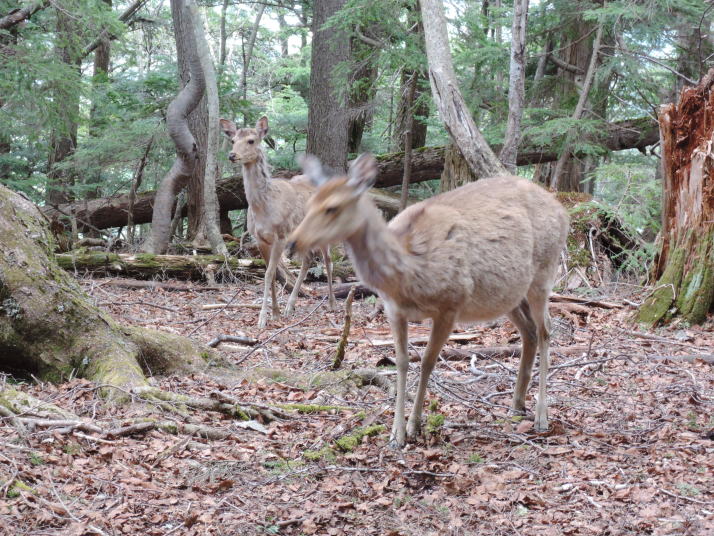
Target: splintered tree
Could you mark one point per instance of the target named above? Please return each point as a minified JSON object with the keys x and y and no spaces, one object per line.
{"x":684,"y":267}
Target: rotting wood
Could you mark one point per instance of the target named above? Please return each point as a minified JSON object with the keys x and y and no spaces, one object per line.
{"x":342,"y":344}
{"x":427,"y":164}
{"x":157,"y":285}
{"x":146,"y":265}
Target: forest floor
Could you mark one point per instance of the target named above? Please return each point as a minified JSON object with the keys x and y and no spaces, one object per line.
{"x":630,"y":449}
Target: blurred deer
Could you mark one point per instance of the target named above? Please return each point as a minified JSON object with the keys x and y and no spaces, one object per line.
{"x":483,"y":250}
{"x":275,"y":207}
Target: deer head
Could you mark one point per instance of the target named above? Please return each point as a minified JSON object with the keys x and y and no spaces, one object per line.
{"x":333,"y":214}
{"x":246,"y":141}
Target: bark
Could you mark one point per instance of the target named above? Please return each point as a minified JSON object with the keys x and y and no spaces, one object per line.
{"x":328,"y":123}
{"x":105,"y":35}
{"x":457,"y":171}
{"x":361,"y":94}
{"x":427,"y":164}
{"x":684,"y":267}
{"x":408,"y":149}
{"x":449,"y":101}
{"x":516,"y":86}
{"x":148,"y":266}
{"x":22,"y":15}
{"x":579,"y":109}
{"x":48,"y":325}
{"x":248,"y":56}
{"x":210,"y":201}
{"x":223,"y":37}
{"x":186,"y":148}
{"x":63,"y":139}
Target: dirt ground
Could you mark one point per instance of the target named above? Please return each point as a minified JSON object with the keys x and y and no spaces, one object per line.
{"x":630,"y":449}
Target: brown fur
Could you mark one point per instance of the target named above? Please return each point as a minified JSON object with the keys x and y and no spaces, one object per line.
{"x":275,"y":208}
{"x":487,"y":249}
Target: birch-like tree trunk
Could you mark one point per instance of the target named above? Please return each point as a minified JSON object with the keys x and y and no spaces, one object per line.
{"x":449,"y":101}
{"x":210,"y":200}
{"x":516,"y":85}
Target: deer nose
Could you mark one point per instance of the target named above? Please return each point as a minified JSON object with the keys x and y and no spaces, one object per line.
{"x":232,"y":157}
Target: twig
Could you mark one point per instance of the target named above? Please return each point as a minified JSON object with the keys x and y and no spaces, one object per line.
{"x":211,"y":306}
{"x":682,"y":497}
{"x":262,"y":343}
{"x":340,"y":355}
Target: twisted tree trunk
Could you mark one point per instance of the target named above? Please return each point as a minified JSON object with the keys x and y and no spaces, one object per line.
{"x":186,"y":150}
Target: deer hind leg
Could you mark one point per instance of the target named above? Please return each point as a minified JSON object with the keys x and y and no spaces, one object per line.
{"x":298,"y":285}
{"x":328,"y":271}
{"x":273,"y":260}
{"x":399,"y":331}
{"x":538,"y":301}
{"x":440,"y":331}
{"x":523,"y":320}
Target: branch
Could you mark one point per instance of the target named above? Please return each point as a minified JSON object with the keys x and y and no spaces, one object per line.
{"x":564,"y":65}
{"x":106,"y":35}
{"x":19,"y":15}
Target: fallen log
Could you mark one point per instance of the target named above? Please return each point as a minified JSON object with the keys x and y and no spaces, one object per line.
{"x":148,"y":266}
{"x":427,"y":164}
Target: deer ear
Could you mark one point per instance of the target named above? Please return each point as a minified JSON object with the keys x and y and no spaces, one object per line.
{"x":228,"y":127}
{"x":312,"y":167}
{"x":262,"y":126}
{"x":362,"y":173}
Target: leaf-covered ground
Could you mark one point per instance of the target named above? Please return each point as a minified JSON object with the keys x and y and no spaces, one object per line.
{"x":630,"y":449}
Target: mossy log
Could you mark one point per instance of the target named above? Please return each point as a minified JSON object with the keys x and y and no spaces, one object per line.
{"x":48,"y":325}
{"x":148,"y":266}
{"x":683,"y":271}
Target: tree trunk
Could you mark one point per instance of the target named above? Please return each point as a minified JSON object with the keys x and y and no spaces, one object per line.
{"x":457,"y":171}
{"x":427,"y":164}
{"x":684,"y":266}
{"x":49,"y":327}
{"x":445,"y":91}
{"x":197,"y":119}
{"x":516,"y":86}
{"x":63,"y":139}
{"x":186,"y":148}
{"x":248,"y":56}
{"x":210,"y":201}
{"x":327,"y":131}
{"x":560,"y":165}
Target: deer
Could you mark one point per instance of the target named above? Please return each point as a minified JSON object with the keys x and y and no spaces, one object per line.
{"x":481,"y":251}
{"x":275,"y":207}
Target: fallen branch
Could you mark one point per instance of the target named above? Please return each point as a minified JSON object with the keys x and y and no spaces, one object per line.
{"x":213,"y":306}
{"x":154,"y":285}
{"x":340,"y":355}
{"x":248,"y":341}
{"x":555,"y":298}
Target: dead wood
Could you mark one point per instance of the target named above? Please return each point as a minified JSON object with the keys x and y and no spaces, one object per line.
{"x":427,"y":164}
{"x":153,"y":285}
{"x":147,"y":266}
{"x":248,"y":341}
{"x":342,"y":344}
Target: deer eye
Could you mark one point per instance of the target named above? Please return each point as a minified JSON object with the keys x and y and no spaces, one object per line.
{"x":330,"y":210}
{"x":251,"y":142}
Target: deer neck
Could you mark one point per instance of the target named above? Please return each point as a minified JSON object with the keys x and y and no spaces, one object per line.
{"x":256,"y":182}
{"x":380,"y":260}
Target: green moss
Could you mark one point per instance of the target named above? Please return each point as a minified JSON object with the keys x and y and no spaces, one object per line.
{"x":326,"y":453}
{"x":349,"y":442}
{"x":17,"y":487}
{"x":312,"y":408}
{"x":434,"y":423}
{"x":658,"y":304}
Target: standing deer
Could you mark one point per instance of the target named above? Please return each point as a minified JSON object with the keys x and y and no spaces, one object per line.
{"x":483,"y":250}
{"x":275,"y":207}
